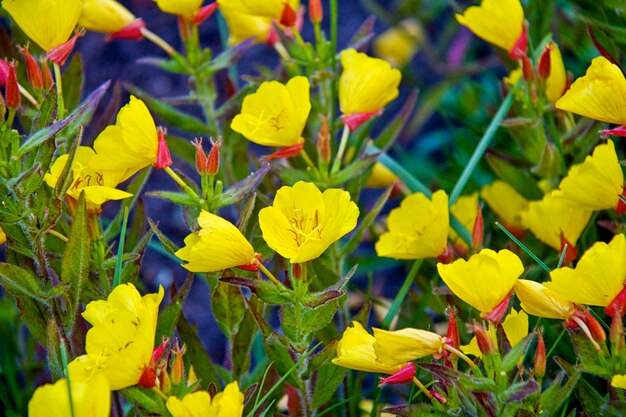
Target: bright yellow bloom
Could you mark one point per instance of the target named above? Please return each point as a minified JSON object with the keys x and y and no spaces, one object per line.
{"x":3,"y":237}
{"x":515,"y":327}
{"x":499,"y":22}
{"x":618,"y":381}
{"x":599,"y":275}
{"x":366,"y":84}
{"x":600,"y":94}
{"x":179,"y":7}
{"x":417,"y":229}
{"x":485,"y":279}
{"x":98,"y":185}
{"x":275,"y":115}
{"x":106,"y":16}
{"x":554,"y":216}
{"x":130,"y":144}
{"x":268,"y":8}
{"x":381,"y":177}
{"x":217,"y":246}
{"x":91,"y":396}
{"x":540,"y":301}
{"x":465,"y":209}
{"x":406,"y":345}
{"x":597,"y":182}
{"x":228,"y":403}
{"x":121,"y":341}
{"x":355,"y":350}
{"x":557,"y":79}
{"x":304,"y":222}
{"x":242,"y":25}
{"x":399,"y":44}
{"x":513,"y":78}
{"x":48,"y":23}
{"x":506,"y":202}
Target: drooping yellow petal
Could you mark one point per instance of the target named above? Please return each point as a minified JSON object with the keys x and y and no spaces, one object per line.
{"x":355,"y":350}
{"x":600,"y":94}
{"x":506,"y":202}
{"x":106,"y":16}
{"x":485,"y":279}
{"x":552,"y":216}
{"x":217,"y":246}
{"x":557,"y":79}
{"x":540,"y":301}
{"x":366,"y":84}
{"x":241,"y":24}
{"x":48,"y":23}
{"x":3,"y":237}
{"x":185,"y":8}
{"x":465,"y":209}
{"x":618,"y":381}
{"x":598,"y":277}
{"x":499,"y":22}
{"x":597,"y":182}
{"x":406,"y":345}
{"x":275,"y":115}
{"x":417,"y":229}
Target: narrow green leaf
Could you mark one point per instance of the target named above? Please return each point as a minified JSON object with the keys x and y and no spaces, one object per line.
{"x":120,"y":250}
{"x":167,"y":244}
{"x":391,"y":132}
{"x":21,"y":282}
{"x":169,"y":316}
{"x":182,"y":199}
{"x":146,"y":399}
{"x":73,"y":82}
{"x":66,"y":178}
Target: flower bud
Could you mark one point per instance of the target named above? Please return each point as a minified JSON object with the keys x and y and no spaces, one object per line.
{"x":59,"y":54}
{"x":527,"y":69}
{"x":132,"y":31}
{"x":148,"y":378}
{"x":4,"y":72}
{"x":521,"y":46}
{"x":48,"y":81}
{"x":204,"y":13}
{"x":163,"y":158}
{"x":323,"y":142}
{"x":192,"y":378}
{"x":478,"y":231}
{"x":543,"y":69}
{"x":485,"y":344}
{"x":453,"y":338}
{"x":617,"y":335}
{"x":595,"y":328}
{"x":403,"y":376}
{"x":178,"y":368}
{"x":201,"y":158}
{"x":32,"y":69}
{"x":213,"y":161}
{"x":316,"y":12}
{"x":165,"y":383}
{"x":12,"y":93}
{"x":540,"y":357}
{"x":288,"y":17}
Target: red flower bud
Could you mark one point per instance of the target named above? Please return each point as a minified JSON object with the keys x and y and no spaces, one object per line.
{"x":357,"y":119}
{"x":12,"y":93}
{"x":478,"y":232}
{"x":528,"y":71}
{"x":4,"y":71}
{"x":452,"y":337}
{"x":163,"y":158}
{"x":213,"y":161}
{"x":403,"y":376}
{"x":32,"y":69}
{"x":485,"y":344}
{"x":201,"y":159}
{"x":521,"y":46}
{"x":316,"y":12}
{"x":543,"y":68}
{"x":204,"y":13}
{"x":59,"y":54}
{"x":285,"y":152}
{"x":540,"y":357}
{"x":148,"y":378}
{"x":288,"y":17}
{"x":447,"y":255}
{"x":132,"y":31}
{"x":621,"y":204}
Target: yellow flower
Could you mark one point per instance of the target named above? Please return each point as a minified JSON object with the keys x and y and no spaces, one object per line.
{"x":130,"y":144}
{"x":98,"y":185}
{"x":553,"y":217}
{"x":499,"y":22}
{"x":179,"y":7}
{"x":217,"y":246}
{"x":417,"y":229}
{"x":598,"y":277}
{"x":597,"y":182}
{"x":132,"y":320}
{"x":3,"y":237}
{"x":366,"y":84}
{"x":380,"y":177}
{"x":242,"y":25}
{"x":304,"y":222}
{"x":355,"y":350}
{"x":268,"y":8}
{"x":228,"y":403}
{"x":485,"y":279}
{"x":557,"y":79}
{"x":406,"y":345}
{"x":618,"y":381}
{"x":465,"y":209}
{"x":107,"y":16}
{"x":275,"y":115}
{"x":515,"y":327}
{"x":506,"y":202}
{"x":599,"y":95}
{"x":399,"y":44}
{"x":513,"y":78}
{"x":540,"y":301}
{"x":49,"y":23}
{"x":91,"y":396}
{"x":366,"y":407}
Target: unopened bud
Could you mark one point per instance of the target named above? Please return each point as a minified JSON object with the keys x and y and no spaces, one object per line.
{"x":323,"y":142}
{"x":403,"y":376}
{"x":595,"y":328}
{"x":148,"y":378}
{"x":204,"y":13}
{"x":617,"y":335}
{"x":59,"y":54}
{"x":543,"y":68}
{"x":540,"y":357}
{"x":48,"y":81}
{"x":12,"y":93}
{"x":289,"y":17}
{"x":32,"y":69}
{"x":478,"y":232}
{"x":178,"y":368}
{"x":213,"y":161}
{"x":4,"y":72}
{"x":453,"y":338}
{"x":201,"y":158}
{"x":485,"y":344}
{"x":163,"y":158}
{"x":497,"y":314}
{"x":527,"y":69}
{"x":165,"y":383}
{"x":316,"y":12}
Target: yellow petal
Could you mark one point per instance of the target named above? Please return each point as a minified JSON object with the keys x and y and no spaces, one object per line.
{"x":241,"y":25}
{"x":599,"y":275}
{"x":539,"y":301}
{"x":398,"y":44}
{"x":465,"y":209}
{"x":3,"y":237}
{"x":506,"y":202}
{"x":406,"y":345}
{"x":485,"y":279}
{"x":268,"y":8}
{"x":600,"y":94}
{"x":217,"y":246}
{"x":618,"y":381}
{"x":557,"y":79}
{"x":229,"y":403}
{"x":515,"y":326}
{"x":179,"y":7}
{"x":417,"y":229}
{"x":366,"y":84}
{"x":380,"y":177}
{"x":514,"y":76}
{"x":499,"y":22}
{"x":48,"y":23}
{"x":107,"y":16}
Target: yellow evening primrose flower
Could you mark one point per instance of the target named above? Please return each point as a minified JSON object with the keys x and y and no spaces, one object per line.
{"x":380,"y":177}
{"x":355,"y":351}
{"x":398,"y":44}
{"x":98,"y":186}
{"x":366,"y":84}
{"x":130,"y":144}
{"x":304,"y":222}
{"x":132,"y":319}
{"x":485,"y":280}
{"x":557,"y":79}
{"x":597,"y":182}
{"x":179,"y":7}
{"x":48,"y":23}
{"x":268,"y":8}
{"x":3,"y":237}
{"x":506,"y":202}
{"x":515,"y":327}
{"x":499,"y":22}
{"x":618,"y":381}
{"x":106,"y":16}
{"x":405,"y":345}
{"x":228,"y":403}
{"x":242,"y":25}
{"x":91,"y":396}
{"x":418,"y":229}
{"x":600,"y":94}
{"x":540,"y":301}
{"x":598,"y":277}
{"x":465,"y":209}
{"x":553,"y":217}
{"x":275,"y":115}
{"x":218,"y":245}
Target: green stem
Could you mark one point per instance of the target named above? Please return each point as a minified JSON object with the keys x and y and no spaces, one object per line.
{"x":117,"y":278}
{"x":269,"y":275}
{"x":182,"y":184}
{"x":59,"y":83}
{"x":67,"y":376}
{"x":524,"y":248}
{"x":404,"y":290}
{"x":333,"y":62}
{"x":343,"y":142}
{"x":158,"y":41}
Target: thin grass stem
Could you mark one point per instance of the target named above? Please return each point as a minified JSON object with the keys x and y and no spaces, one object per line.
{"x":524,"y":248}
{"x":117,"y":278}
{"x":404,"y":290}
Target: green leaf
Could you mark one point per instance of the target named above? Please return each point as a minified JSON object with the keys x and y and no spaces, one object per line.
{"x":76,"y":258}
{"x":146,"y":399}
{"x":265,"y":290}
{"x":228,"y":307}
{"x":168,"y":245}
{"x":175,"y":197}
{"x":279,"y":352}
{"x":35,"y":315}
{"x":516,"y":353}
{"x":353,"y":170}
{"x":21,"y":282}
{"x":45,"y":113}
{"x":198,"y":357}
{"x":241,"y":190}
{"x":73,"y":82}
{"x":227,"y":58}
{"x":54,"y":350}
{"x":242,"y":340}
{"x":518,"y":178}
{"x":66,"y":178}
{"x":168,"y":317}
{"x":329,"y":375}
